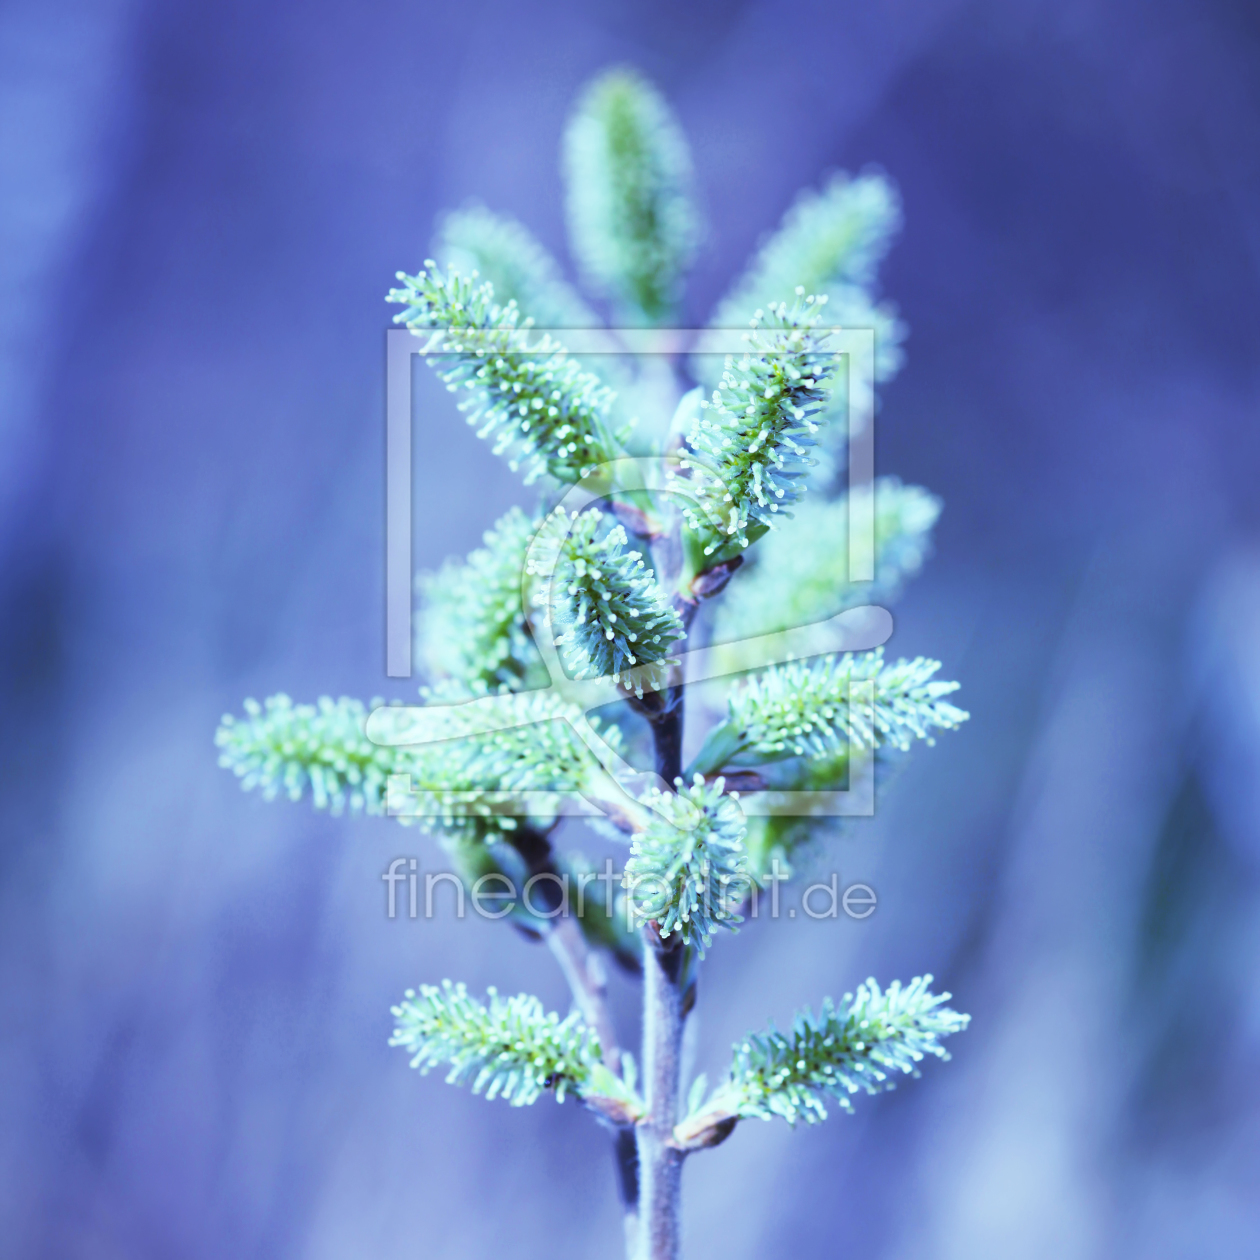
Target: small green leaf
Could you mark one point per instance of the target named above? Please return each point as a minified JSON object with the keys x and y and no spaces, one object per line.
{"x":835,"y":704}
{"x":528,"y":393}
{"x":688,"y":870}
{"x":611,"y":614}
{"x":502,"y":251}
{"x":860,"y":1044}
{"x":748,"y":449}
{"x":633,"y":222}
{"x":506,"y":1047}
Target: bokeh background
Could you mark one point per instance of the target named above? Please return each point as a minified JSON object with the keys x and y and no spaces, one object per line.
{"x":201,"y":207}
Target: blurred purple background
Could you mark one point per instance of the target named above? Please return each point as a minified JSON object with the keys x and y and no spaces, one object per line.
{"x":202,"y":206}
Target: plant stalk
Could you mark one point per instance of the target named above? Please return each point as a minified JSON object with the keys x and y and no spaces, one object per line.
{"x":665,"y":976}
{"x":660,"y":1162}
{"x":667,"y":733}
{"x":664,"y":1010}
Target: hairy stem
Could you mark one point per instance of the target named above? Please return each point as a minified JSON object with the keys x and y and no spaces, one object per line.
{"x":665,"y":977}
{"x":660,"y":1162}
{"x":664,"y":1010}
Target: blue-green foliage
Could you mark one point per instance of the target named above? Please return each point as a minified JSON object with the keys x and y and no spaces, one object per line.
{"x":800,"y":571}
{"x":462,"y":785}
{"x":528,"y":393}
{"x":765,"y":432}
{"x":499,"y":249}
{"x":818,"y":717}
{"x":748,"y":448}
{"x":507,"y":1047}
{"x":502,"y":251}
{"x":816,"y":708}
{"x":830,"y":242}
{"x":688,"y":870}
{"x":473,"y":626}
{"x":827,"y":240}
{"x":611,"y":613}
{"x":288,"y":748}
{"x":632,"y":218}
{"x":860,"y":1044}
